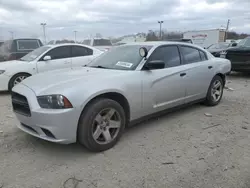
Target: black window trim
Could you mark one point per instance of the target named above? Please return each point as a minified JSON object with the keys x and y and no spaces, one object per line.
{"x":165,"y":45}
{"x":183,"y":45}
{"x":41,"y":59}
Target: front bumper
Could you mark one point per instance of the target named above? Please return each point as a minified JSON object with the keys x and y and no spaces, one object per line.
{"x":54,"y":125}
{"x":4,"y":82}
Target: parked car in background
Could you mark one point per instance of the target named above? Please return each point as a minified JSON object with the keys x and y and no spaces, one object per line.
{"x":99,"y":43}
{"x":95,"y":103}
{"x":239,"y":55}
{"x":1,"y":43}
{"x":45,"y":58}
{"x":17,"y":48}
{"x":216,"y":48}
{"x":181,"y":40}
{"x":61,"y":41}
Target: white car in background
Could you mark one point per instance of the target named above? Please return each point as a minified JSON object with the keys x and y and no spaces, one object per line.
{"x":45,"y":58}
{"x":99,"y":43}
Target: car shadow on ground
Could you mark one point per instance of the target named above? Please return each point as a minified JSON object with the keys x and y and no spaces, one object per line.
{"x":4,"y":93}
{"x":239,"y":75}
{"x":65,"y":151}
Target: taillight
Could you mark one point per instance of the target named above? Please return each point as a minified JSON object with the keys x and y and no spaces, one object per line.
{"x":11,"y":57}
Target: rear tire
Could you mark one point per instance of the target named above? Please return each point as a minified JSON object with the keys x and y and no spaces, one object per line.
{"x":17,"y":79}
{"x":215,"y":91}
{"x":96,"y":128}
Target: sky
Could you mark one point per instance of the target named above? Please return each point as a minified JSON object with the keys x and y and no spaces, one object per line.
{"x":118,"y":17}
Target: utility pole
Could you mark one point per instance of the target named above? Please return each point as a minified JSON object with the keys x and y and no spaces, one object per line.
{"x":160,"y":22}
{"x":228,"y":22}
{"x":12,"y":34}
{"x":44,"y":34}
{"x":75,"y":35}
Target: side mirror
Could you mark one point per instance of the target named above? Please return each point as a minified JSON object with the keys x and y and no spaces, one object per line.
{"x":155,"y":64}
{"x":143,"y":52}
{"x":47,"y":58}
{"x":234,"y":44}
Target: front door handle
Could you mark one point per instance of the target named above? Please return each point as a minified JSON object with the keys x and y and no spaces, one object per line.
{"x":210,"y":67}
{"x":183,"y":74}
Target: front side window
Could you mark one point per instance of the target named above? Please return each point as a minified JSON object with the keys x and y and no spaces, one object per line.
{"x":78,"y":51}
{"x":168,"y":54}
{"x":27,"y":44}
{"x":59,"y":52}
{"x":191,"y":55}
{"x":125,"y":57}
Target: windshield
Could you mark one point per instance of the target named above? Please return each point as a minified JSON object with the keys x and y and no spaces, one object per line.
{"x":27,"y":44}
{"x":219,"y":46}
{"x":245,"y":42}
{"x":34,"y":54}
{"x":121,"y":58}
{"x":102,"y":42}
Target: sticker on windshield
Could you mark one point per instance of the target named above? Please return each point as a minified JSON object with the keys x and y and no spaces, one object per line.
{"x":124,"y":64}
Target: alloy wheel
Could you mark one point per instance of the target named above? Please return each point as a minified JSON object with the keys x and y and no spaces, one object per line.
{"x":19,"y":79}
{"x":216,"y":91}
{"x":106,"y":126}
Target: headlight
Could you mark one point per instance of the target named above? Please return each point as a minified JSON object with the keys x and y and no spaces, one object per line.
{"x":54,"y":102}
{"x":2,"y":71}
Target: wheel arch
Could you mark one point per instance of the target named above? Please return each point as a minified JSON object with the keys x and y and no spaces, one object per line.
{"x":16,"y":75}
{"x":113,"y":95}
{"x":223,"y":77}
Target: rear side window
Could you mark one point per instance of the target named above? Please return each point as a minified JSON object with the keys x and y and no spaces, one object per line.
{"x":78,"y":51}
{"x":203,"y":56}
{"x":191,"y":55}
{"x":27,"y":44}
{"x":59,"y":53}
{"x":168,"y":54}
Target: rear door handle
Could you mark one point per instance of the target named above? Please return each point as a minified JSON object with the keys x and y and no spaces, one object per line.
{"x":210,"y":67}
{"x":183,"y":74}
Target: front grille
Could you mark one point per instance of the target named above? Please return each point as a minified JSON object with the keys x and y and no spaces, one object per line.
{"x":20,"y":104}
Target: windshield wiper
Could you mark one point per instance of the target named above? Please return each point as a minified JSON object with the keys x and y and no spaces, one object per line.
{"x":99,"y":66}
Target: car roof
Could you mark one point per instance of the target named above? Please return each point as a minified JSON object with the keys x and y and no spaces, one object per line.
{"x":159,"y":43}
{"x":26,"y":39}
{"x":69,"y":44}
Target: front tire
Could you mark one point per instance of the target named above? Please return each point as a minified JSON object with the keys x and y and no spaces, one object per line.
{"x":215,"y":91}
{"x":16,"y":79}
{"x":101,"y":125}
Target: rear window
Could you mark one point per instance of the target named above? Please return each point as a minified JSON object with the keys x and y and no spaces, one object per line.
{"x":27,"y":44}
{"x":102,"y":42}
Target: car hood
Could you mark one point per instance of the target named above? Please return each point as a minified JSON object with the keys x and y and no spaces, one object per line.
{"x":68,"y":77}
{"x":215,"y":50}
{"x":238,"y":48}
{"x":9,"y":64}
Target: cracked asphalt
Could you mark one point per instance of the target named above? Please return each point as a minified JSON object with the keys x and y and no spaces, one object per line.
{"x":199,"y":146}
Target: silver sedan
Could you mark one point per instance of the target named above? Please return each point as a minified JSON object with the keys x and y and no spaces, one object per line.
{"x":93,"y":104}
